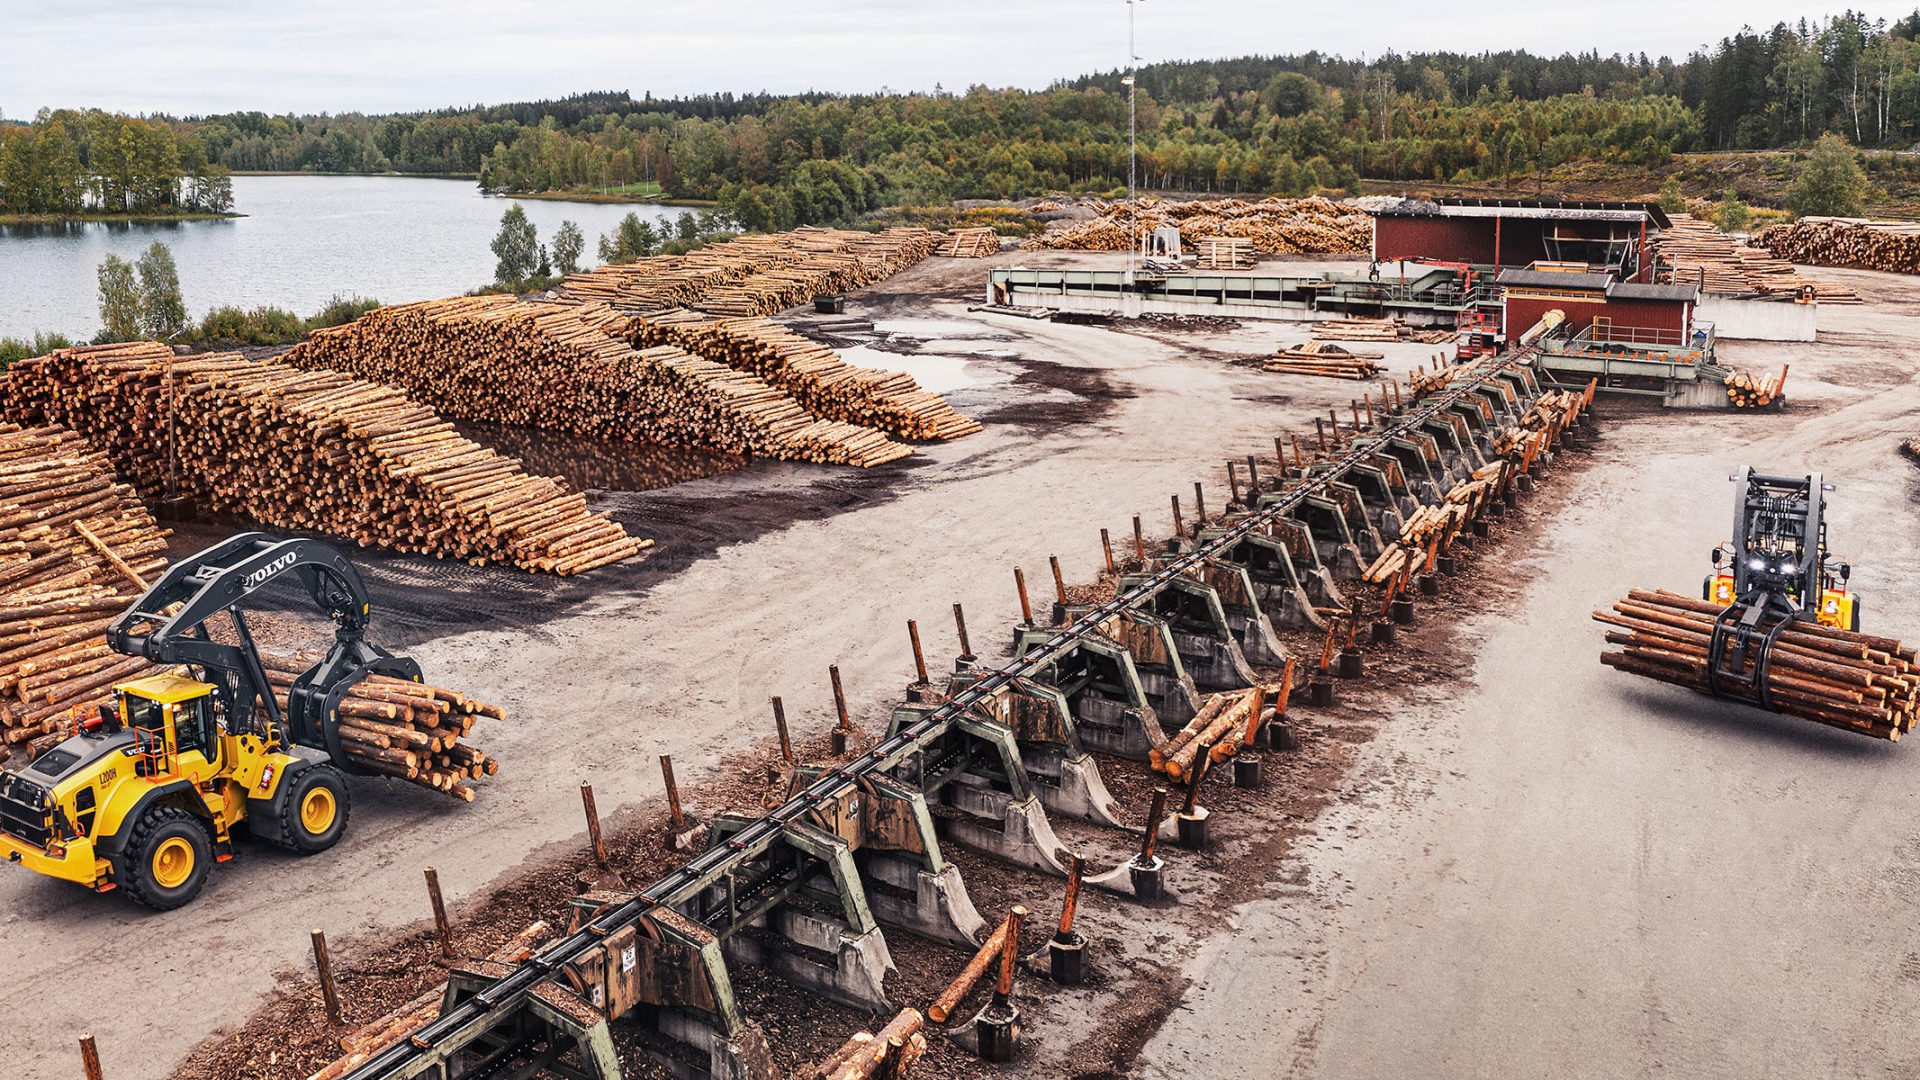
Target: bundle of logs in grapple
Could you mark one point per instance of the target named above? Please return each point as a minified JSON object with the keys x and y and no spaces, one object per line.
{"x":314,"y":451}
{"x":1859,"y":682}
{"x":817,"y":376}
{"x":574,"y":368}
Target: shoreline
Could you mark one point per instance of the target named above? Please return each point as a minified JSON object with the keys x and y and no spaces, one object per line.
{"x":597,"y":197}
{"x":109,"y":218}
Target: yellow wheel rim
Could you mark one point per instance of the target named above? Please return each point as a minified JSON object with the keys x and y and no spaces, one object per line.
{"x":173,"y":863}
{"x":318,"y":810}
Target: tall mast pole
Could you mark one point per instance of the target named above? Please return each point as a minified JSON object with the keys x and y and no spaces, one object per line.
{"x":1133,"y":72}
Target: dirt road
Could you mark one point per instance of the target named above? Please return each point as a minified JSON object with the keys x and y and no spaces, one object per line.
{"x":1086,"y":428}
{"x":1571,"y":872}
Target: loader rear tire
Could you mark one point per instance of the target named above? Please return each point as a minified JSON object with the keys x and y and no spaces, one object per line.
{"x":313,"y":816}
{"x":166,"y":858}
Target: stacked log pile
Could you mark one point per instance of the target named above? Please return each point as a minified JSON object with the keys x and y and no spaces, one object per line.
{"x":1431,"y":529}
{"x":890,"y":1055}
{"x":76,"y":547}
{"x":1275,"y":226}
{"x":570,"y":367}
{"x":971,"y":243}
{"x":755,"y":275}
{"x":1325,"y":360}
{"x":1860,"y":243}
{"x":1695,"y":252}
{"x":1858,"y":682}
{"x":1747,"y":390}
{"x":817,"y":376}
{"x":313,"y":451}
{"x":1225,"y":724}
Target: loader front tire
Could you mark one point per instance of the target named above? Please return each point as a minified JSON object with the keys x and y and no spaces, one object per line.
{"x":313,"y":816}
{"x":166,"y":858}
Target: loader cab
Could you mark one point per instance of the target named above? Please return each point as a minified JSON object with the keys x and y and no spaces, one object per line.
{"x":174,"y":730}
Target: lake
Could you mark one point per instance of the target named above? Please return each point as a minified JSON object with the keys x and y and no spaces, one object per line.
{"x":304,"y":240}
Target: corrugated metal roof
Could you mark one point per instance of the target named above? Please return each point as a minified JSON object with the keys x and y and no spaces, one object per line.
{"x":1549,"y":279}
{"x":1630,"y":290}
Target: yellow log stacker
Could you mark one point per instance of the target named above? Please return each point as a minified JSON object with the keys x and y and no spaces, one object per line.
{"x":154,"y":789}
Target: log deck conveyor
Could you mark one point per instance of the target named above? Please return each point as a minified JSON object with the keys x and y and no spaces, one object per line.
{"x":514,"y":1021}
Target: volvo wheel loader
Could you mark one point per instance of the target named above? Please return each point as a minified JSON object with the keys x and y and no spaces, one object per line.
{"x":154,"y":789}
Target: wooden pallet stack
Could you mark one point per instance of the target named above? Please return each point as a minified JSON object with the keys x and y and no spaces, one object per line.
{"x":1747,"y":390}
{"x":816,"y":375}
{"x":311,"y":451}
{"x":1275,"y":226}
{"x":1860,"y":243}
{"x":572,"y":368}
{"x":1224,"y":253}
{"x":1858,"y":682}
{"x":1325,"y":360}
{"x":1696,"y":252}
{"x":758,"y":274}
{"x":970,"y":243}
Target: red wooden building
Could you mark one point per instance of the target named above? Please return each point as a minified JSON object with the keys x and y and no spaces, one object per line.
{"x":1626,"y":312}
{"x":1609,"y":237}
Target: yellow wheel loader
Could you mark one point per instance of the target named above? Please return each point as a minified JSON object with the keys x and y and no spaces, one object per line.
{"x":153,"y":790}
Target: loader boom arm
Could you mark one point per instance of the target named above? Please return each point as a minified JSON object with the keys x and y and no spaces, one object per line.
{"x":168,"y":625}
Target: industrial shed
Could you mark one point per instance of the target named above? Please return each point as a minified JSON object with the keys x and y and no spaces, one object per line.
{"x":1610,"y":237}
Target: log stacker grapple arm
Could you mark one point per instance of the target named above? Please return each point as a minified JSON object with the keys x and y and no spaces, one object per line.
{"x":168,"y":625}
{"x":1779,"y":576}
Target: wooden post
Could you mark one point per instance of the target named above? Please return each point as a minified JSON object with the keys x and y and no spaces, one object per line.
{"x":1106,"y":551}
{"x":328,"y":991}
{"x":919,"y":658}
{"x":441,"y":928}
{"x":1139,"y":542}
{"x":90,"y":1057}
{"x":1059,"y":583}
{"x":780,"y":725}
{"x":1355,"y":406}
{"x":1009,"y":955}
{"x":673,"y":794}
{"x":596,"y":844}
{"x":839,"y":697}
{"x":1178,"y":528}
{"x":1026,"y":606}
{"x":1199,"y":507}
{"x":1200,"y":762}
{"x":960,"y":624}
{"x":1233,"y":484}
{"x":1154,"y":814}
{"x":1333,"y":415}
{"x":1253,"y":479}
{"x":1075,"y":866}
{"x":1299,"y":458}
{"x":1320,"y":432}
{"x":1366,"y":398}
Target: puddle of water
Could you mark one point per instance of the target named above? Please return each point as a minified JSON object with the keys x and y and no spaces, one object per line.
{"x":599,"y":464}
{"x":938,"y":373}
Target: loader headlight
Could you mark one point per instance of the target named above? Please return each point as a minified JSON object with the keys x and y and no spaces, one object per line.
{"x":1756,"y":563}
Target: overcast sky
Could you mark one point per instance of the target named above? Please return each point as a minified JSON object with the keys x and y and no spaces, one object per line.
{"x":393,"y":55}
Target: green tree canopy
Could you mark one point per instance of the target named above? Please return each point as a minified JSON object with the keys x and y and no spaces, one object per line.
{"x":630,"y":240}
{"x":163,"y":311}
{"x":517,"y":247}
{"x":567,"y":246}
{"x":119,"y":301}
{"x":1830,"y":183}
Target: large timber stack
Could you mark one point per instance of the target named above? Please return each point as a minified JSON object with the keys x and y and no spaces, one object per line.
{"x":571,"y":368}
{"x":817,"y":376}
{"x":311,"y":451}
{"x":758,"y":274}
{"x":1860,"y":243}
{"x":1696,"y":252}
{"x":1273,"y":225}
